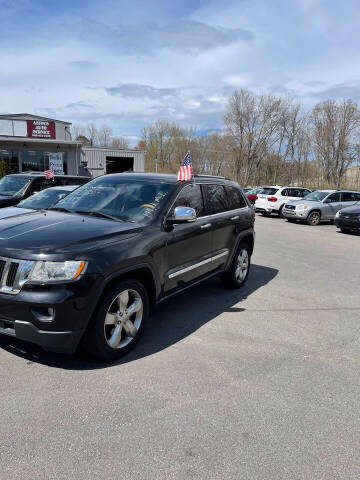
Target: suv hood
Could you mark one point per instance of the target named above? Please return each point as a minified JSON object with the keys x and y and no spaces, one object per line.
{"x":354,"y":209}
{"x":55,"y":233}
{"x":304,"y":202}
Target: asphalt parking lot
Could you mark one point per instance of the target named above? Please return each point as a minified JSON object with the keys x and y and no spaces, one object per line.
{"x":261,"y":383}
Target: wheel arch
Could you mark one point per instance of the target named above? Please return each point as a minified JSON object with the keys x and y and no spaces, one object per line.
{"x":143,"y":273}
{"x":315,"y":210}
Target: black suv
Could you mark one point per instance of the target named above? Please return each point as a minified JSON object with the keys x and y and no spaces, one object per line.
{"x":18,"y":186}
{"x":91,"y":268}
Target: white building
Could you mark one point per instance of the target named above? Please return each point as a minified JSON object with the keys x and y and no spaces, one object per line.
{"x":33,"y":143}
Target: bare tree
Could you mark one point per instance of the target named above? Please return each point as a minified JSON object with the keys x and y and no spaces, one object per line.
{"x":335,"y":126}
{"x":119,"y":142}
{"x":253,"y":125}
{"x":92,"y":134}
{"x":104,"y":135}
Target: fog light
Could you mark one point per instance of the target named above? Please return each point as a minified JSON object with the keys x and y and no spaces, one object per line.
{"x":43,"y":314}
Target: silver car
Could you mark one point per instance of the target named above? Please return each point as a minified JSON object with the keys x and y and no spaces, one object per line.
{"x":319,"y":205}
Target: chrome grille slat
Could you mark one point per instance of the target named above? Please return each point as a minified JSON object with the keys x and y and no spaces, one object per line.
{"x":13,"y":274}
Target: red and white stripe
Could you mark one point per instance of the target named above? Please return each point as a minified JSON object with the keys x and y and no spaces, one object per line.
{"x":185,"y":173}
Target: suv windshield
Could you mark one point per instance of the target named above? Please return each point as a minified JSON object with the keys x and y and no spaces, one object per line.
{"x":121,"y":199}
{"x":43,"y":199}
{"x":317,"y":196}
{"x":13,"y":185}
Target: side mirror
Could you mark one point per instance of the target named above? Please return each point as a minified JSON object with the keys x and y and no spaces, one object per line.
{"x":182,"y":215}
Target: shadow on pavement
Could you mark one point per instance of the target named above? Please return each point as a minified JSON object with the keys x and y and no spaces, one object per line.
{"x":170,"y":323}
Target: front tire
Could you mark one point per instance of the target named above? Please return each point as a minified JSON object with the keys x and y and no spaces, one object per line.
{"x":238,"y":271}
{"x":118,"y":321}
{"x":344,"y":230}
{"x":313,"y":218}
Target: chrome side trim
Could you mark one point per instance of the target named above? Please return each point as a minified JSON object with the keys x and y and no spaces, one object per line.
{"x":199,"y":264}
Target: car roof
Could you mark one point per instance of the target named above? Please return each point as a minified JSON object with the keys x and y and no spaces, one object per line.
{"x":166,"y":177}
{"x":41,"y":174}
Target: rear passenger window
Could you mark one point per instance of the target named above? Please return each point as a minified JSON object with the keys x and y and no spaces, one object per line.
{"x":350,"y":197}
{"x":190,"y":196}
{"x":285,"y":193}
{"x":216,"y":198}
{"x":235,"y":197}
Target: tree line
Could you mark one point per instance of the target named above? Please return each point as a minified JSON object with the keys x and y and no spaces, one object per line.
{"x":92,"y":136}
{"x":266,"y":139}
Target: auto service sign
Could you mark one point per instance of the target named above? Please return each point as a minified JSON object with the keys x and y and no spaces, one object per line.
{"x":40,"y":129}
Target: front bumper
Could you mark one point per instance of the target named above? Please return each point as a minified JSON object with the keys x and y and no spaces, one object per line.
{"x":349,"y":223}
{"x":61,"y":342}
{"x":26,"y":315}
{"x":295,"y":214}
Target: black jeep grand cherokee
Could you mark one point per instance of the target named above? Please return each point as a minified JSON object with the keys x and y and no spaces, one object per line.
{"x":91,"y":268}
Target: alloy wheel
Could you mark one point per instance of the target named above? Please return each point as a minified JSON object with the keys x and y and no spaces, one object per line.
{"x":242,"y":265}
{"x":314,"y":218}
{"x":123,"y":319}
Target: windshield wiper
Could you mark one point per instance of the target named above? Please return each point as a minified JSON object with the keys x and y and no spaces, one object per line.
{"x":97,"y":214}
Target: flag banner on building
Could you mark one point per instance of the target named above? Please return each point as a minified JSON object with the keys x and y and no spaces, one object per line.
{"x":185,"y":170}
{"x":49,"y":174}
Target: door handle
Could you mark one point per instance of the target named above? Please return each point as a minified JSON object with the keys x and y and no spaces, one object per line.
{"x":206,"y":225}
{"x":235,"y":218}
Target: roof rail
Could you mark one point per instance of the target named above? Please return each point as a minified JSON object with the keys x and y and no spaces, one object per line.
{"x":210,"y":176}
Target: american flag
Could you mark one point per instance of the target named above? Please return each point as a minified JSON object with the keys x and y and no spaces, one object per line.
{"x":49,"y":174}
{"x":185,"y":170}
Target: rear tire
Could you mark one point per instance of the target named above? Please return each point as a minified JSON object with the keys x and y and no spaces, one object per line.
{"x":344,"y":230}
{"x":280,"y":211}
{"x":266,"y":214}
{"x":313,"y":219}
{"x":113,"y":330}
{"x":238,"y":272}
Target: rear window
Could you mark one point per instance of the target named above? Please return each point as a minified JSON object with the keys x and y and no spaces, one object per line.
{"x":267,"y":191}
{"x":216,"y":198}
{"x":235,"y":197}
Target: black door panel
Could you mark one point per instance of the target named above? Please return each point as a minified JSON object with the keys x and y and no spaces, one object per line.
{"x":188,"y":245}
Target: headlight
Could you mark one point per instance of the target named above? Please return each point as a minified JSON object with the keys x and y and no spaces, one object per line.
{"x":302,"y":207}
{"x":57,"y":271}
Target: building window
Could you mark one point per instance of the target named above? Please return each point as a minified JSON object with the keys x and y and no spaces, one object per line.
{"x":35,"y":161}
{"x":9,"y":161}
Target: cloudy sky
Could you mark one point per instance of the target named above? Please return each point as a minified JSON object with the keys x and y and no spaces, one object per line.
{"x":129,"y":63}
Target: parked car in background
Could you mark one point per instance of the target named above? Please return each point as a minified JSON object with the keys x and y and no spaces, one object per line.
{"x":91,"y":268}
{"x":348,"y":219}
{"x":39,"y":201}
{"x":246,"y":190}
{"x":320,"y":205}
{"x":252,"y":194}
{"x":273,"y":198}
{"x":18,"y":186}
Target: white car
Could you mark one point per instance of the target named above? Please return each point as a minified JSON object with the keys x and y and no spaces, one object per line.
{"x":272,"y":199}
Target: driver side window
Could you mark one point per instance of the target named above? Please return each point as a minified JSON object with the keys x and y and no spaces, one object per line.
{"x":190,"y":196}
{"x":334,"y":197}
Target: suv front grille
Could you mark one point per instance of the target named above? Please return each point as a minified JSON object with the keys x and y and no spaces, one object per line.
{"x":13,"y":274}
